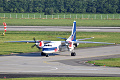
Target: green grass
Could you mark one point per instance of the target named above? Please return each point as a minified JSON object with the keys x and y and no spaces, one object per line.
{"x":107,"y":20}
{"x":60,"y":15}
{"x":67,"y":78}
{"x":7,"y":48}
{"x":112,"y":62}
{"x":60,"y":22}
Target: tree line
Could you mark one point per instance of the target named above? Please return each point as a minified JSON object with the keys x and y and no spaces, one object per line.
{"x":60,"y":6}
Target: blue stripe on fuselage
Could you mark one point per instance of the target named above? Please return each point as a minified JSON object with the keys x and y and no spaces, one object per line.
{"x":49,"y":49}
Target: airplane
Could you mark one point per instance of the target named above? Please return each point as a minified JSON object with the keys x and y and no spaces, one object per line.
{"x":68,"y":44}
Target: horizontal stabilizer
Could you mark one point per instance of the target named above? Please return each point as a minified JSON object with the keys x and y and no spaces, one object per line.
{"x":62,"y":38}
{"x":84,"y":39}
{"x":92,"y":42}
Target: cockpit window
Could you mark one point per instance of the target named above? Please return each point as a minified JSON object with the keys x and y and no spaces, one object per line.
{"x":47,"y":45}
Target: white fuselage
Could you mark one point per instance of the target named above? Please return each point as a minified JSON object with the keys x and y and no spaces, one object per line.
{"x":51,"y":47}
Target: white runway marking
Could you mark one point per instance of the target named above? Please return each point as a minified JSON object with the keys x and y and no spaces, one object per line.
{"x":25,"y":68}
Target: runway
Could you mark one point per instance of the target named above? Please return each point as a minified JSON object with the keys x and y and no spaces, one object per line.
{"x":60,"y":64}
{"x":60,"y":28}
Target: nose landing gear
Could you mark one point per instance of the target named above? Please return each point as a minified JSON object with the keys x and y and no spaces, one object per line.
{"x":43,"y":54}
{"x":73,"y":54}
{"x":47,"y":55}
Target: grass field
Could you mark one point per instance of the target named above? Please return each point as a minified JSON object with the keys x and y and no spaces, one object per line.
{"x":60,"y":15}
{"x":67,"y":78}
{"x":60,"y":22}
{"x":39,"y":19}
{"x":113,"y":62}
{"x":7,"y":48}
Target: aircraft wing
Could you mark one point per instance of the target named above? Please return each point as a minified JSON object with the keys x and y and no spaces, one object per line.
{"x":84,"y":39}
{"x":92,"y":42}
{"x":26,"y":41}
{"x":20,"y":42}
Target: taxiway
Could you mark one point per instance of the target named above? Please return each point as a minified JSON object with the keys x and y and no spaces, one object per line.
{"x":63,"y":63}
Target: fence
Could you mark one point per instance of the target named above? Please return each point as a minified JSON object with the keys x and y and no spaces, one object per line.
{"x":64,"y":16}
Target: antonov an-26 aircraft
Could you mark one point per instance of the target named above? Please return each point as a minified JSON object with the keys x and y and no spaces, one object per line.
{"x":58,"y":46}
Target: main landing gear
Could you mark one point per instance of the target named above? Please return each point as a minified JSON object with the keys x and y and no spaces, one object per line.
{"x":73,"y":54}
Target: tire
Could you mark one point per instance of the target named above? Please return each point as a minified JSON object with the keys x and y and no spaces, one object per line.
{"x":43,"y":54}
{"x":47,"y":55}
{"x":73,"y":54}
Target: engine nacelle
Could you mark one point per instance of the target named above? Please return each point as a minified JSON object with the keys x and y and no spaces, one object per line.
{"x":40,"y":44}
{"x":71,"y":46}
{"x":76,"y":44}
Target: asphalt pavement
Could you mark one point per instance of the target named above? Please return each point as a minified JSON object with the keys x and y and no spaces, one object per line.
{"x":61,"y":28}
{"x":33,"y":64}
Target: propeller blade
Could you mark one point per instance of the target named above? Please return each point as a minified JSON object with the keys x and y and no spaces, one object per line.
{"x":67,"y":47}
{"x":34,"y":39}
{"x":33,"y":46}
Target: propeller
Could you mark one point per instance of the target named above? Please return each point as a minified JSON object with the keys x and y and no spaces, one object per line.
{"x":68,"y":48}
{"x":35,"y":43}
{"x":68,"y":44}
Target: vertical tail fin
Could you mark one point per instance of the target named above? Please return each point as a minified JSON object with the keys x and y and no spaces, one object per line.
{"x":73,"y":34}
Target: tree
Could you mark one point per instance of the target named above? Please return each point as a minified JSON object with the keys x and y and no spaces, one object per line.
{"x":1,"y":3}
{"x":113,"y":6}
{"x":60,"y":6}
{"x":1,"y":9}
{"x":49,"y":11}
{"x":30,"y":6}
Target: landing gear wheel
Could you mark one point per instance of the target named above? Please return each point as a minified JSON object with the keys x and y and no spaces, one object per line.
{"x":43,"y":54}
{"x":73,"y":54}
{"x":47,"y":55}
